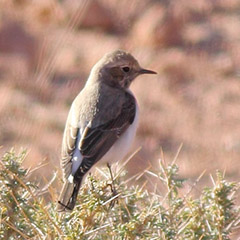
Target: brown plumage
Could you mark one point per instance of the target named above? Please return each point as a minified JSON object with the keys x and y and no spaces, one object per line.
{"x":99,"y":119}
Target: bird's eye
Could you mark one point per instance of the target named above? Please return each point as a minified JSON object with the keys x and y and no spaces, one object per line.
{"x":126,"y":69}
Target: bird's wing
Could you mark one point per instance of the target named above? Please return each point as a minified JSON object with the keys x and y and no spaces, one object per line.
{"x":91,"y":143}
{"x":70,"y":138}
{"x":95,"y":141}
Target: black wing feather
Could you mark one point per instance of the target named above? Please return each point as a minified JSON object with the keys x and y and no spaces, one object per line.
{"x":97,"y":141}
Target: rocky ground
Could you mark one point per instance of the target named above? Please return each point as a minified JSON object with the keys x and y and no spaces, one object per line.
{"x":48,"y":47}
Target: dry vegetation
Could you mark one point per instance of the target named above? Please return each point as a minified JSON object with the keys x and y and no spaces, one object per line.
{"x":48,"y":47}
{"x":134,"y":213}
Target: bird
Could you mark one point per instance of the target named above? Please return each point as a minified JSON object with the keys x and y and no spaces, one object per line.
{"x":101,"y":124}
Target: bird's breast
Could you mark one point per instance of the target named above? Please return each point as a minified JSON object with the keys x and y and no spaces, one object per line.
{"x":123,"y":145}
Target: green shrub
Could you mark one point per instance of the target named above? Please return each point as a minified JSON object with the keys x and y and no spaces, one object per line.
{"x":134,"y":213}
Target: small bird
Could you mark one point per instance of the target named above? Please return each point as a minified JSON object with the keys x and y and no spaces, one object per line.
{"x":102,"y":122}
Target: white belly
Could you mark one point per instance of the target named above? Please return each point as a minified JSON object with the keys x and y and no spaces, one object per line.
{"x":123,"y":145}
{"x":116,"y":153}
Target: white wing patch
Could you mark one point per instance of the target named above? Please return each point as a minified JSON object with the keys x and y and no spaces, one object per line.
{"x":76,"y":158}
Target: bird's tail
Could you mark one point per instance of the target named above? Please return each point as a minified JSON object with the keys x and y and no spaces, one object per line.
{"x":68,"y":196}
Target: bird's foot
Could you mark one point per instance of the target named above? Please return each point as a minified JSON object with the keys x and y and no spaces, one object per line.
{"x":91,"y":182}
{"x":113,"y":188}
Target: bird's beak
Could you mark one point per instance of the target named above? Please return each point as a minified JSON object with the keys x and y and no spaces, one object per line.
{"x":146,"y":71}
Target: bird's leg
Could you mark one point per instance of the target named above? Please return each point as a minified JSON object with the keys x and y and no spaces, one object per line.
{"x":112,"y":185}
{"x":91,"y":181}
{"x":114,"y":191}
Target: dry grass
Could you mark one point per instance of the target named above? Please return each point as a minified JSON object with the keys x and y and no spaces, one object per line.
{"x":134,"y":213}
{"x":48,"y":48}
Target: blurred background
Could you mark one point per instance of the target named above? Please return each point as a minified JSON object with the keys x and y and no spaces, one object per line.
{"x":47,"y":48}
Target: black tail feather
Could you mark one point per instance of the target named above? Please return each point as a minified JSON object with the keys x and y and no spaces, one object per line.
{"x":68,"y":196}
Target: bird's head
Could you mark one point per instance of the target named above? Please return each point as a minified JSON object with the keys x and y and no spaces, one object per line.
{"x":119,"y":69}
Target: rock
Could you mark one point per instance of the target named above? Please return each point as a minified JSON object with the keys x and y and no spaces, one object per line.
{"x":14,"y":40}
{"x":96,"y":15}
{"x":45,"y":13}
{"x":159,"y":26}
